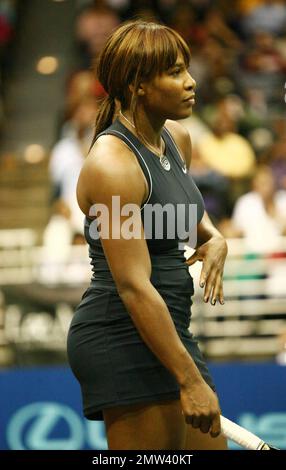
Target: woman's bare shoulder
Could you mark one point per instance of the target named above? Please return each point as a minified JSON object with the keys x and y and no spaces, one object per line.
{"x":109,"y":149}
{"x":178,"y":131}
{"x":110,"y":168}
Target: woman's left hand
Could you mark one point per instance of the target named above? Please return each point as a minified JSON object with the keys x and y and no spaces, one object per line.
{"x":212,"y":254}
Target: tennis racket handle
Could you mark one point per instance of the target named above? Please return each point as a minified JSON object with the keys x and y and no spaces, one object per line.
{"x":241,"y":436}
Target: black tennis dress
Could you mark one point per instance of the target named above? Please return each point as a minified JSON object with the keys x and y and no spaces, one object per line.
{"x":106,"y":353}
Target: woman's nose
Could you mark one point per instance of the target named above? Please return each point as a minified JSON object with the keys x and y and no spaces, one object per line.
{"x":191,"y":82}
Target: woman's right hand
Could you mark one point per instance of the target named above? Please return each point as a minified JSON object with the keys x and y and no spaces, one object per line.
{"x":200,"y":407}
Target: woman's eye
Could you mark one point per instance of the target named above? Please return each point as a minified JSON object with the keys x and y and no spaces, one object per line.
{"x":176,"y":72}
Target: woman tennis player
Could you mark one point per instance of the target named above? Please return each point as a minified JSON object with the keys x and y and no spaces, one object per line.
{"x":129,"y":343}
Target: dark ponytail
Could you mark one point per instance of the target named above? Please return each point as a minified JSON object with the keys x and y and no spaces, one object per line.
{"x":104,"y":116}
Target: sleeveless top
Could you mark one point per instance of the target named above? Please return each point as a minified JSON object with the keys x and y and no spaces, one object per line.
{"x":175,"y":192}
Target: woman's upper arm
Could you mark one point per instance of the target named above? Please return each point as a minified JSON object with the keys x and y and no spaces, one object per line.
{"x":182,"y":139}
{"x":113,"y":180}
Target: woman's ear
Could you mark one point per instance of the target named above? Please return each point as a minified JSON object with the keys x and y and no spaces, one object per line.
{"x":140,"y":91}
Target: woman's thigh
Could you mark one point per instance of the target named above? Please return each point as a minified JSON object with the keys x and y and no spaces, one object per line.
{"x":157,"y":426}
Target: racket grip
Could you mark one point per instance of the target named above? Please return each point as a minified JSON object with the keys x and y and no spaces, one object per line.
{"x":241,"y":436}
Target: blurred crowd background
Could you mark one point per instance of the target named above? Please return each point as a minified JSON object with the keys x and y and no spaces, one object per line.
{"x":49,"y":97}
{"x":238,"y":127}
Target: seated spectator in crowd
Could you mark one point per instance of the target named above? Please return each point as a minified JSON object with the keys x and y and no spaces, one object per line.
{"x":61,"y":263}
{"x":81,"y":86}
{"x":67,"y":159}
{"x":224,"y":150}
{"x":213,"y":186}
{"x":260,"y":215}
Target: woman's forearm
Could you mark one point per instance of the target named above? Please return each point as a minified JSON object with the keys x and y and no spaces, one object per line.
{"x":155,"y":325}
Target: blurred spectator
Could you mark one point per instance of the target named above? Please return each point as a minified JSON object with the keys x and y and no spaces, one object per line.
{"x":224,"y":150}
{"x":80,"y":118}
{"x":263,"y":67}
{"x":213,"y":186}
{"x":260,"y":215}
{"x":60,"y":263}
{"x":58,"y":232}
{"x":67,"y":159}
{"x":93,"y":26}
{"x":270,"y":16}
{"x":81,"y":86}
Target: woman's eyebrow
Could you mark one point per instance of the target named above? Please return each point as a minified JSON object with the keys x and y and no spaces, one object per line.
{"x":178,"y":64}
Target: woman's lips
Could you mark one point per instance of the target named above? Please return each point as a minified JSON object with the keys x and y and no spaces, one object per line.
{"x":191,"y":100}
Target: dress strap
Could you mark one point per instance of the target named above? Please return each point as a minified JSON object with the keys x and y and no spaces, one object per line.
{"x":134,"y":148}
